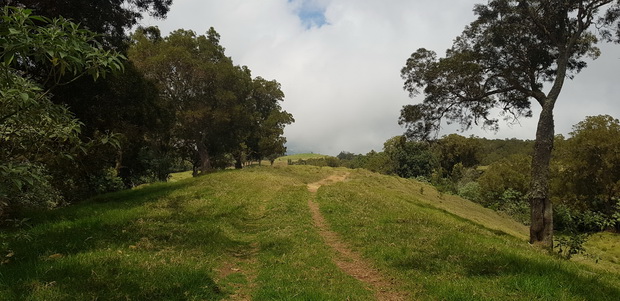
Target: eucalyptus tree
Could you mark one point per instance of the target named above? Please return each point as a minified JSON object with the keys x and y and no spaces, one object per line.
{"x":220,"y":113}
{"x":516,"y":53}
{"x":266,"y":139}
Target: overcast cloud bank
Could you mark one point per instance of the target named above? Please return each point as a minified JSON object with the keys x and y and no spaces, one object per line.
{"x":339,"y":64}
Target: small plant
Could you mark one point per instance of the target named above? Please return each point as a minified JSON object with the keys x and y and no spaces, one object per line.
{"x":571,"y":244}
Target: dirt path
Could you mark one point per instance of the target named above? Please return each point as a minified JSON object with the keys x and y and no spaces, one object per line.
{"x":347,"y":260}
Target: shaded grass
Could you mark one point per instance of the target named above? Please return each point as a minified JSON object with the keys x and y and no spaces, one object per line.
{"x":437,"y":253}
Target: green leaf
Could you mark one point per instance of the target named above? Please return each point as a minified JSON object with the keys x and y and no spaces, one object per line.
{"x":9,"y":59}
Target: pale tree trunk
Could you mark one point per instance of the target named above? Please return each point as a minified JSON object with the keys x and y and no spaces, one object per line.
{"x":205,"y":159}
{"x":541,"y":228}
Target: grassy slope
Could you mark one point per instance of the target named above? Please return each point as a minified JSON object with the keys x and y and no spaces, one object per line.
{"x":297,"y":157}
{"x":249,"y":234}
{"x":452,"y":256}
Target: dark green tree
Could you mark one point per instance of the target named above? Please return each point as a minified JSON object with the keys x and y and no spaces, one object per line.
{"x":409,"y":159}
{"x":266,"y":139}
{"x":203,"y":88}
{"x":34,"y":132}
{"x":515,"y":52}
{"x":110,"y":18}
{"x":453,"y":149}
{"x":125,"y":104}
{"x":589,"y":165}
{"x":220,"y":114}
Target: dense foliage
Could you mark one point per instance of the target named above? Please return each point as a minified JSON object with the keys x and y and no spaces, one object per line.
{"x":179,"y":103}
{"x":110,"y":18}
{"x":497,"y":173}
{"x":36,"y":134}
{"x":219,"y":113}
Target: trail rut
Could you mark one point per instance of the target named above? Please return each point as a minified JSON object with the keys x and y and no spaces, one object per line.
{"x":346,"y":259}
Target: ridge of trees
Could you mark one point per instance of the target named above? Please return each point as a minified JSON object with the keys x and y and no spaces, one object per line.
{"x":219,"y":112}
{"x":178,"y":102}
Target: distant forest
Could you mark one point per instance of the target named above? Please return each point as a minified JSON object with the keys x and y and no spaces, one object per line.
{"x":585,"y":186}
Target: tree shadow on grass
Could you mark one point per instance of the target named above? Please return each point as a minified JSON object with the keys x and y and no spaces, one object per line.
{"x":111,"y":277}
{"x":510,"y":273}
{"x":92,"y":249}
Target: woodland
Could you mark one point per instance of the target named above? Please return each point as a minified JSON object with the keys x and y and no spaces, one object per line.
{"x":88,"y":109}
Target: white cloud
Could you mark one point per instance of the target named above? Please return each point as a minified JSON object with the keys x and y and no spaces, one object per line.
{"x":342,"y":80}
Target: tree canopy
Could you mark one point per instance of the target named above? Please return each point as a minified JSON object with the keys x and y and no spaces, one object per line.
{"x":219,"y":110}
{"x":110,"y":18}
{"x":589,"y":165}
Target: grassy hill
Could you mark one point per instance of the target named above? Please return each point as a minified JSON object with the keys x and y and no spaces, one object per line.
{"x":250,"y":235}
{"x":296,"y":157}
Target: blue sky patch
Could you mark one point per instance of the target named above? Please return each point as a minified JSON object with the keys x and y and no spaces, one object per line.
{"x":310,"y":13}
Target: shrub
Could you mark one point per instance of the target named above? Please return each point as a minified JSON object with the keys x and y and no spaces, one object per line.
{"x":26,"y":185}
{"x":471,"y":191}
{"x":106,"y":181}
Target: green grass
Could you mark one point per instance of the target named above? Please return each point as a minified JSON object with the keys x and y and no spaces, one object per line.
{"x":249,"y":233}
{"x":195,"y":239}
{"x":177,"y":176}
{"x":435,"y":251}
{"x":297,"y":157}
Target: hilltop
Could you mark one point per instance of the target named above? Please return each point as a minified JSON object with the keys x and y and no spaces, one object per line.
{"x":288,"y":233}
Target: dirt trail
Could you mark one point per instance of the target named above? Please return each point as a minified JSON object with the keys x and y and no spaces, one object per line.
{"x":347,"y":260}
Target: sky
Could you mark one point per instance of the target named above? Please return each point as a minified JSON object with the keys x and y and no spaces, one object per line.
{"x":339,"y":64}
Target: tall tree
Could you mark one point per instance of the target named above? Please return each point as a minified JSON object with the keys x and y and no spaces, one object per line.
{"x":503,"y":60}
{"x":199,"y":83}
{"x":266,"y":140}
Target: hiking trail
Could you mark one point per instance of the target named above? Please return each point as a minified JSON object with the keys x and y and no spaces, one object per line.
{"x":346,"y":259}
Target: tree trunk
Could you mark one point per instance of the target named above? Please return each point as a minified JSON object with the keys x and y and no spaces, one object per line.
{"x":205,"y":159}
{"x":541,"y":228}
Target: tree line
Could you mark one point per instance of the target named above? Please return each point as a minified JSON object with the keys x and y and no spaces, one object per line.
{"x":585,"y":172}
{"x":87,"y":108}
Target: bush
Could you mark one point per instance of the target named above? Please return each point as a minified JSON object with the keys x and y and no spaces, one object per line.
{"x":571,"y":244}
{"x":471,"y":191}
{"x":106,"y":181}
{"x":26,"y":185}
{"x":516,"y":205}
{"x":571,"y":220}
